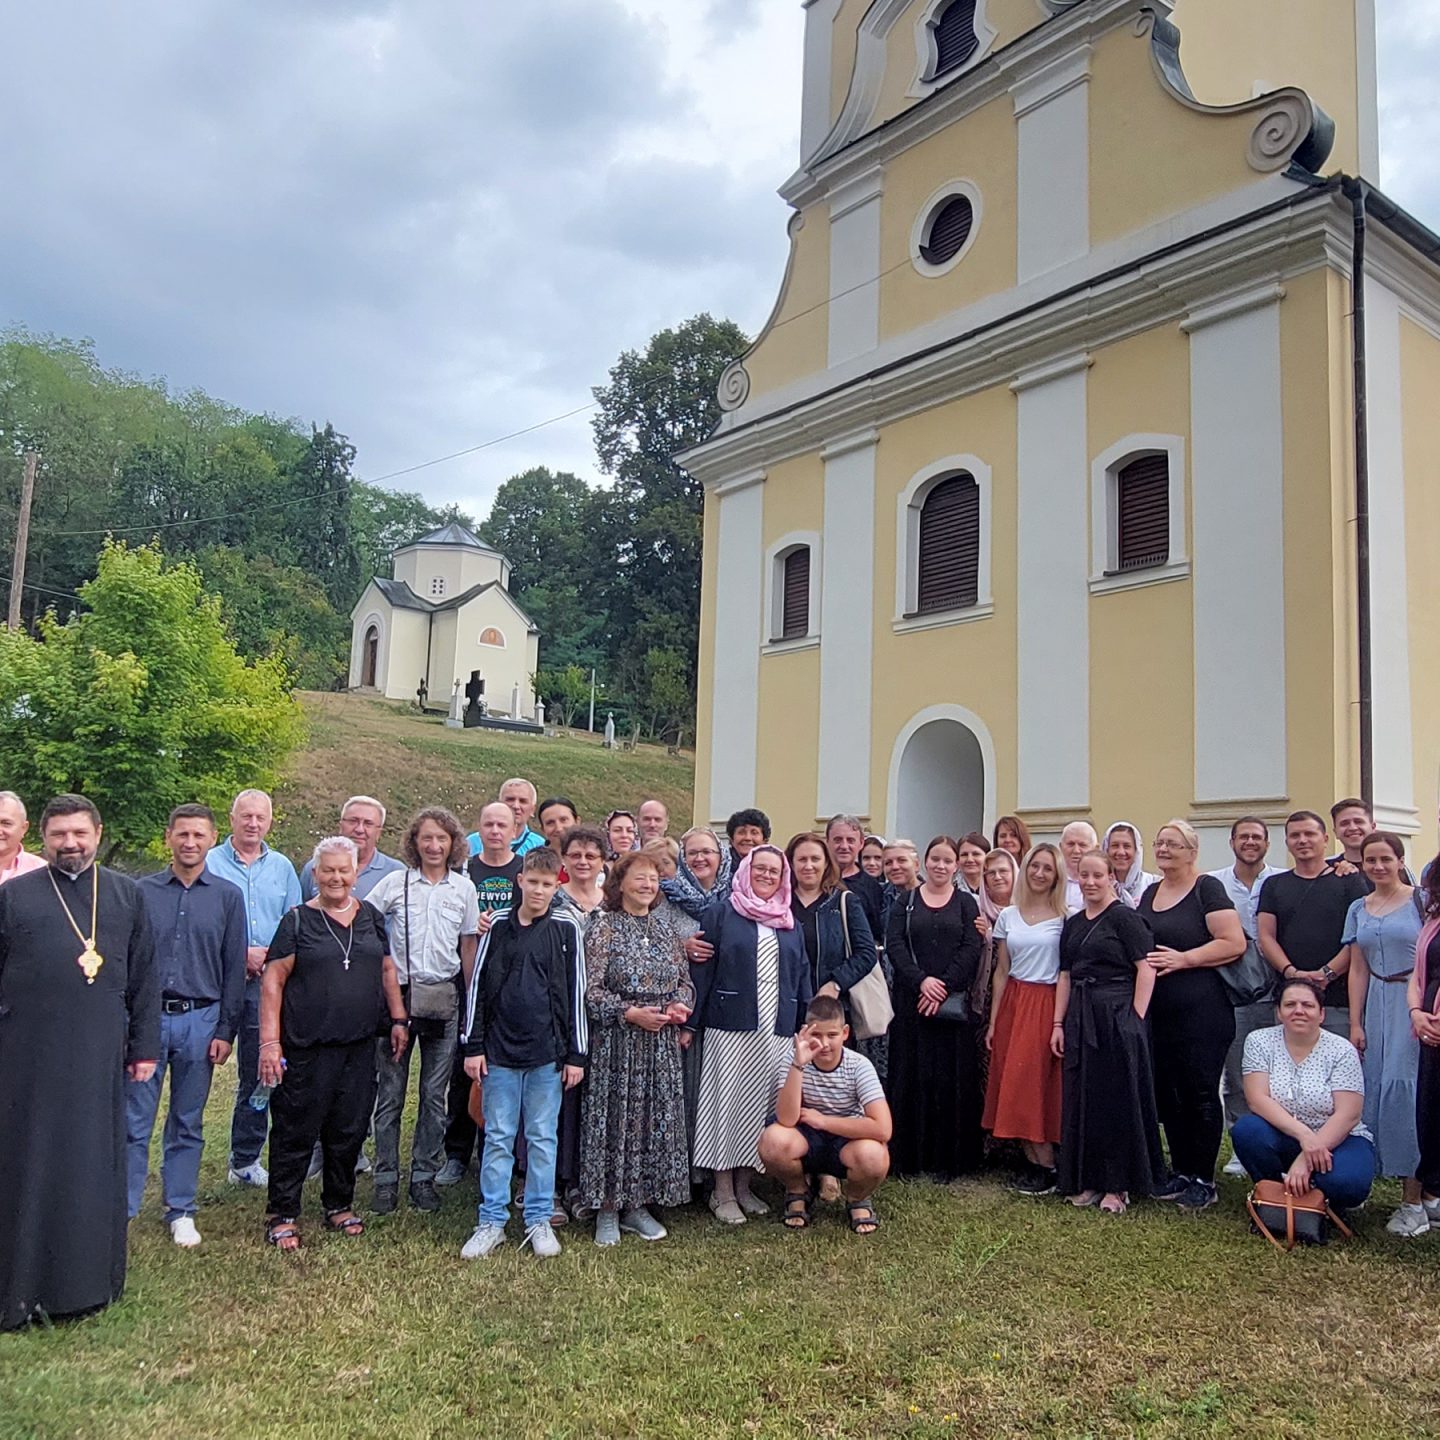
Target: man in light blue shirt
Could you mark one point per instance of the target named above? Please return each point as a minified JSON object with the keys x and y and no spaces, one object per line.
{"x":521,"y":796}
{"x":1250,"y":844}
{"x":362,"y":819}
{"x":270,"y":886}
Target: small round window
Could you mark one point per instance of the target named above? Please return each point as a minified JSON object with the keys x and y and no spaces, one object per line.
{"x":949,"y":229}
{"x":946,"y":228}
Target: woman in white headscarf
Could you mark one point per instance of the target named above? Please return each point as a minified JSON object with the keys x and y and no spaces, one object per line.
{"x":1126,"y":850}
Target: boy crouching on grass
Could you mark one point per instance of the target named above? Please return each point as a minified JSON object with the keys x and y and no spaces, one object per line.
{"x":525,"y":1038}
{"x":832,"y":1119}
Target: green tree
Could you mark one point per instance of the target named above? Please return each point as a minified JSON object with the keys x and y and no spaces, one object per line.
{"x":565,"y":691}
{"x":659,"y":402}
{"x":279,"y":610}
{"x":549,"y":526}
{"x":141,"y":701}
{"x":324,"y":537}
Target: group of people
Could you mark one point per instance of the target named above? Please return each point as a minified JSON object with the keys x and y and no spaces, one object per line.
{"x":627,"y":1018}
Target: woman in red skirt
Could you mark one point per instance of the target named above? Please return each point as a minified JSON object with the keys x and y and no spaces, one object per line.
{"x":1022,"y":1098}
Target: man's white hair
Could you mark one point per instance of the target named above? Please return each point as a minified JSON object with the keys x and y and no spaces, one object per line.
{"x":528,"y":784}
{"x":15,"y":800}
{"x":363,"y":800}
{"x":250,"y":795}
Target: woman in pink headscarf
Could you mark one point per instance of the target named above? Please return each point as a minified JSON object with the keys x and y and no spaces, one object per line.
{"x":750,"y":1001}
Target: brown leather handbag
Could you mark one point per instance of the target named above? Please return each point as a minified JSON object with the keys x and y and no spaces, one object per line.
{"x":477,"y":1104}
{"x":1287,"y":1220}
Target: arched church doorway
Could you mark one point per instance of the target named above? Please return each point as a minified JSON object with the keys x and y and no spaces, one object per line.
{"x":941,"y":776}
{"x":371,"y":657}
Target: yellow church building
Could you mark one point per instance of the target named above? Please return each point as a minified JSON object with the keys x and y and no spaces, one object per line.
{"x":1039,"y":490}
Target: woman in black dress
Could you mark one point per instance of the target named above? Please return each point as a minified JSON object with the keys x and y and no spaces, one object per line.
{"x":329,"y":985}
{"x":1192,"y":1022}
{"x":1109,"y":1139}
{"x":934,"y":1079}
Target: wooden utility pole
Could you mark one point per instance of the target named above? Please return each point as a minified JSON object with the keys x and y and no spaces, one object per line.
{"x":22,"y":539}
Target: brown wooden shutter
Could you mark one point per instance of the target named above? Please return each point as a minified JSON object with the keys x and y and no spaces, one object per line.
{"x":795,"y":603}
{"x":949,"y":559}
{"x":949,"y":231}
{"x":1142,"y":510}
{"x":955,"y":38}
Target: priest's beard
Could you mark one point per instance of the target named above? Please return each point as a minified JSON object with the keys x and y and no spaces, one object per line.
{"x":74,"y":862}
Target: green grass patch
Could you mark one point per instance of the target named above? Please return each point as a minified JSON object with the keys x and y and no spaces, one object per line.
{"x":972,"y":1313}
{"x":382,"y":748}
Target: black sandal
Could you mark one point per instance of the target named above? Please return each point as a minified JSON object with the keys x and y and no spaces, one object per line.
{"x":279,"y":1229}
{"x":866,"y":1223}
{"x":346,"y":1221}
{"x":796,"y":1218}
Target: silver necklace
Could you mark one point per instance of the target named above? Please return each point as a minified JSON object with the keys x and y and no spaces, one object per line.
{"x":345,"y":945}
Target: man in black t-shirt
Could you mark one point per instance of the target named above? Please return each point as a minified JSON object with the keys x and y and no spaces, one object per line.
{"x":496,"y":868}
{"x":1300,"y":918}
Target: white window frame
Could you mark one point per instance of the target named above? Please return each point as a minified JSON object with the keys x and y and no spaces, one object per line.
{"x":490,"y":644}
{"x":437,"y":587}
{"x":925,"y":220}
{"x":1104,"y":514}
{"x":907,"y":547}
{"x":774,"y":611}
{"x":926,"y":81}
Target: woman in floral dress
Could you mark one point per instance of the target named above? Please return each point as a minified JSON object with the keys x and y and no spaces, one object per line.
{"x":634,"y":1150}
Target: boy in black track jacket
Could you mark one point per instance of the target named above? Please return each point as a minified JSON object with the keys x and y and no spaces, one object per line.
{"x":525,"y":1037}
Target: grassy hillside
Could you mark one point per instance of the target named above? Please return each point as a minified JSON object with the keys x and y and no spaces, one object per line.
{"x":365,"y":746}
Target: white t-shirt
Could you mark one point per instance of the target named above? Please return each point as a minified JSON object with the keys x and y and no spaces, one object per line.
{"x":844,"y":1091}
{"x":1306,"y":1090}
{"x":1034,"y":950}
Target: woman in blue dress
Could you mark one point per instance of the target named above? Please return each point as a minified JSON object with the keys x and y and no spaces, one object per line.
{"x":1380,"y":931}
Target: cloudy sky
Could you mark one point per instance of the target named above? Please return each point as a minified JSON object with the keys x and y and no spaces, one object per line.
{"x":433,"y":222}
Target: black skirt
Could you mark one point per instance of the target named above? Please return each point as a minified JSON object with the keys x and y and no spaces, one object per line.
{"x":935,"y":1097}
{"x":1109,"y":1133}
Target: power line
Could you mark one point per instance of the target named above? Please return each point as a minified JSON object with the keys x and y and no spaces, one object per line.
{"x":43,"y":589}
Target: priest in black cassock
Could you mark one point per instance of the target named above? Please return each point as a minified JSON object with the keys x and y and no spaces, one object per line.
{"x":79,"y":1010}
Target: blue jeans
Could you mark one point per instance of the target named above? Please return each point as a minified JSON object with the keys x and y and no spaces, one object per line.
{"x":1267,"y":1153}
{"x":505,"y":1092}
{"x":185,"y":1052}
{"x":248,"y":1127}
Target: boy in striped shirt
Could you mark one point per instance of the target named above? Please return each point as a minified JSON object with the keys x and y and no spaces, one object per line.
{"x":831,"y":1118}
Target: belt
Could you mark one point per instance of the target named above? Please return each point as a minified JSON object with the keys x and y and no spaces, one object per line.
{"x":169,"y":1005}
{"x":1394,"y":979}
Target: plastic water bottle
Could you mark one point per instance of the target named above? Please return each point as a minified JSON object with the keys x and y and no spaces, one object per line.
{"x":260,"y":1095}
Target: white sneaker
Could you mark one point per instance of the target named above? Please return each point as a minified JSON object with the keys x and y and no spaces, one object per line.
{"x":184,"y":1233}
{"x":642,"y":1223}
{"x":1432,"y":1210}
{"x":1409,"y":1221}
{"x":541,"y":1239}
{"x":254,"y":1174}
{"x":485,"y":1241}
{"x":452,"y":1172}
{"x":1235,"y":1168}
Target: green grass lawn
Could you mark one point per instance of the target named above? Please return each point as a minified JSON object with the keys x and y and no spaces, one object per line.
{"x":972,"y":1313}
{"x":381,"y":748}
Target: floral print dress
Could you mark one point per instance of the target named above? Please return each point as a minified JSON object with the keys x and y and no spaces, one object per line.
{"x":633,"y":1142}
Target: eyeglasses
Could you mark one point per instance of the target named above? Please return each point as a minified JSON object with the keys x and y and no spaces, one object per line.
{"x":696,"y":854}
